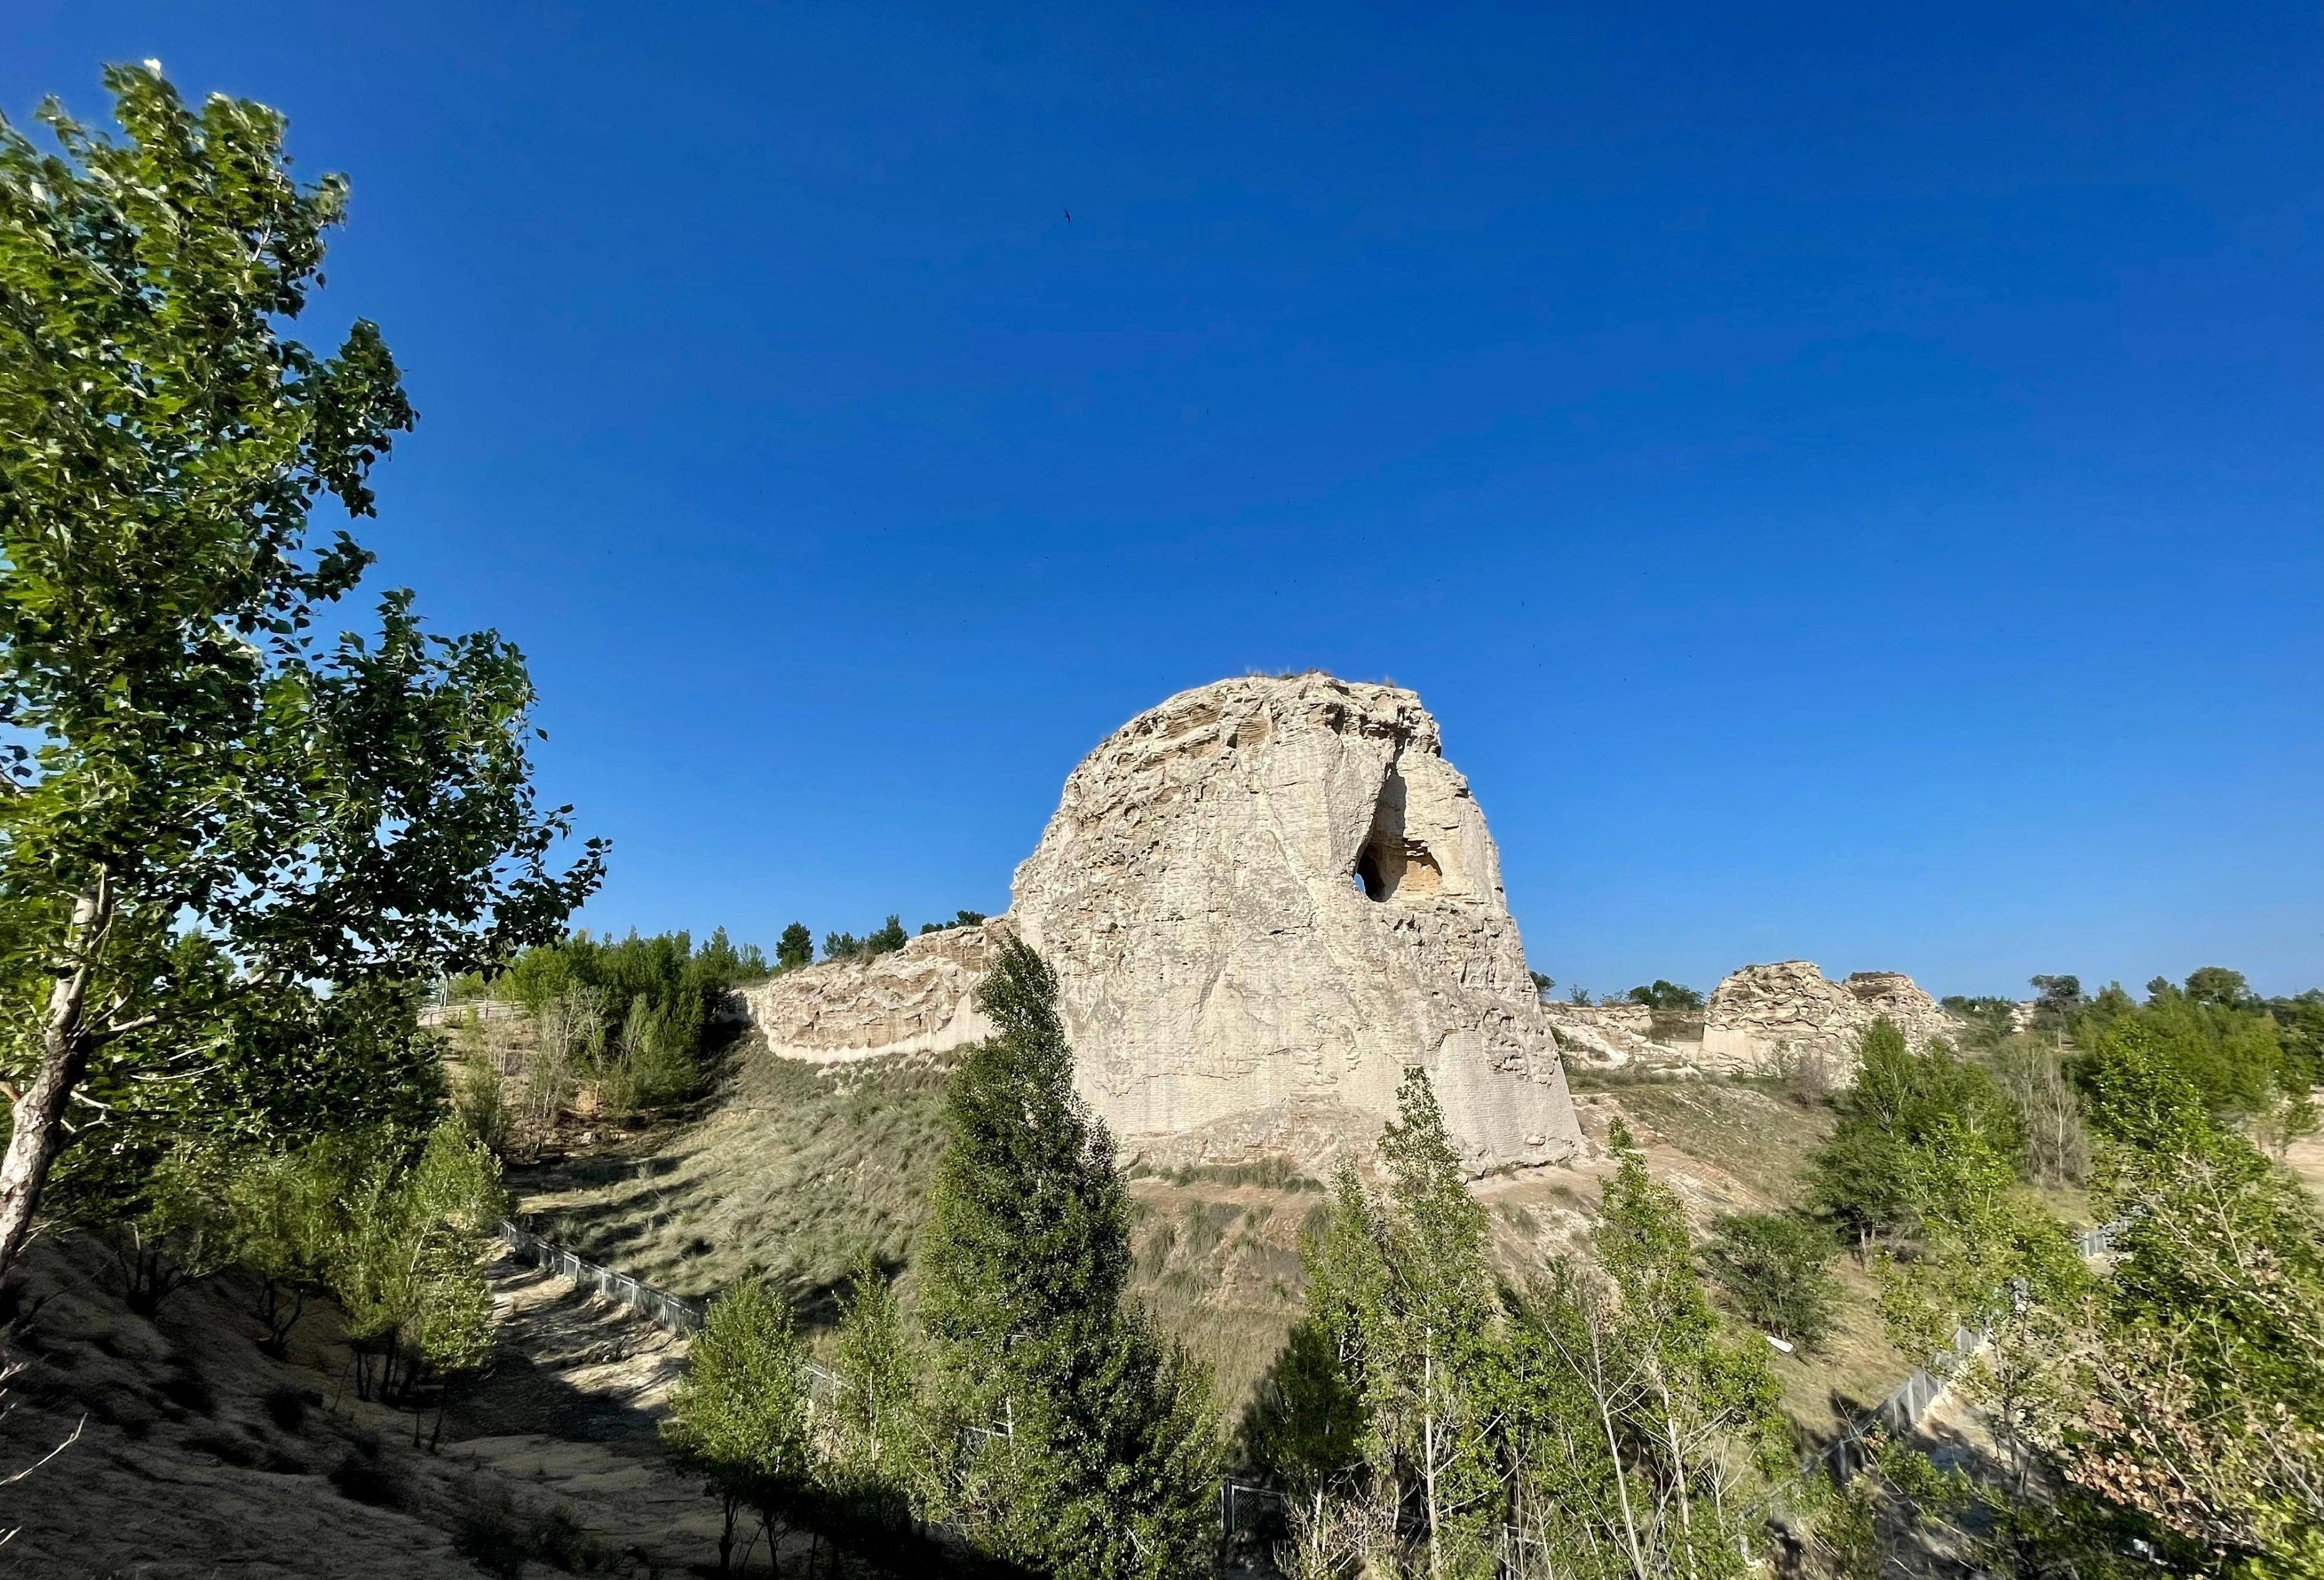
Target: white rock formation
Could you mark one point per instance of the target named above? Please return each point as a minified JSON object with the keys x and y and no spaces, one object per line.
{"x":918,"y":999}
{"x":1616,"y":1035}
{"x":1264,"y":899}
{"x":1764,"y":1017}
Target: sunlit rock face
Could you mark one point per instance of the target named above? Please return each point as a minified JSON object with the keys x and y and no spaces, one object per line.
{"x":1766,"y":1017}
{"x":1264,"y":899}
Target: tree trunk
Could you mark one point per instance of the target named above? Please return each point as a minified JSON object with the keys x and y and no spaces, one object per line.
{"x":38,"y":1126}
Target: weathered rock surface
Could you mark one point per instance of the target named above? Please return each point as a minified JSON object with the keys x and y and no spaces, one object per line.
{"x":918,"y":999}
{"x":1616,"y":1035}
{"x":1264,"y":899}
{"x":1765,"y":1016}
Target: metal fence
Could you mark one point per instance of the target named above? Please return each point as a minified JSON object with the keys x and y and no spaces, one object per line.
{"x":658,"y":1306}
{"x":1918,"y":1394}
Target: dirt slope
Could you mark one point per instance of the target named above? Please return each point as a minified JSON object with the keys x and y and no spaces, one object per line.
{"x":199,"y":1457}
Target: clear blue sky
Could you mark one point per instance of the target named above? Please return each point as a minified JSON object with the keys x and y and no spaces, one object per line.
{"x":1847,"y":478}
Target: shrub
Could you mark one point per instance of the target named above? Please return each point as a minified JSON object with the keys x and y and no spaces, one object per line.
{"x":285,"y":1405}
{"x":1668,"y":996}
{"x":364,"y":1480}
{"x":1775,"y":1267}
{"x":190,"y":1393}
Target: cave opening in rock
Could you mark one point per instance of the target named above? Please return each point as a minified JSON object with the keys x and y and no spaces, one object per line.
{"x":1368,"y":875}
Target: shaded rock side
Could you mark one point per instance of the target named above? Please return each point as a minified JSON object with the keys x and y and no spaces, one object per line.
{"x":1764,"y":1017}
{"x":1264,"y":899}
{"x":1614,"y":1035}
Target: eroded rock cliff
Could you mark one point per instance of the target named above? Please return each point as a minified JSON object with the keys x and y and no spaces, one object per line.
{"x":1264,"y":899}
{"x":1764,"y":1017}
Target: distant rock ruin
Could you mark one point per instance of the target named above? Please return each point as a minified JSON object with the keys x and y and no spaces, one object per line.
{"x":1264,"y":899}
{"x":1766,"y":1017}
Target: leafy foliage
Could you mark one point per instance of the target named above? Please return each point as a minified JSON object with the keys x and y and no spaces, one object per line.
{"x":740,"y":1416}
{"x":1640,"y":1440}
{"x":960,"y":919}
{"x":1985,"y":1020}
{"x":1667,"y":996}
{"x":794,"y":949}
{"x":636,"y":1014}
{"x":1775,"y":1267}
{"x":186,"y":750}
{"x":1915,"y":1130}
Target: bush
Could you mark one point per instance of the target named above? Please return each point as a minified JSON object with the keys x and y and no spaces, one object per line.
{"x":285,"y":1405}
{"x":1670,"y":997}
{"x":1775,"y":1268}
{"x":1985,"y":1021}
{"x":362,"y":1478}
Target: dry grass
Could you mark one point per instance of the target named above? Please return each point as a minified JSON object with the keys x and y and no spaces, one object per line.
{"x":798,"y":1169}
{"x":797,"y":1173}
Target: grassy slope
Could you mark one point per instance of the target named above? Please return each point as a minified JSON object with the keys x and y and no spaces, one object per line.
{"x":798,"y":1170}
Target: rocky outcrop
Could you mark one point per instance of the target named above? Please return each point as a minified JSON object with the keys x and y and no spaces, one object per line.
{"x":1766,"y":1017}
{"x":918,"y":999}
{"x":1265,"y":899}
{"x":1616,"y":1035}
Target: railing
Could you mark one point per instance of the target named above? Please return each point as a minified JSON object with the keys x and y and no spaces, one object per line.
{"x":658,"y":1306}
{"x":1918,"y":1394}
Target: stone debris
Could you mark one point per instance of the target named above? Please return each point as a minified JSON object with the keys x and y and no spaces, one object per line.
{"x":1265,"y":899}
{"x":1765,"y":1018}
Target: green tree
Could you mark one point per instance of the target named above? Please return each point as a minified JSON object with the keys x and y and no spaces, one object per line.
{"x":2216,"y":984}
{"x":1086,"y":1444}
{"x":1985,"y":1022}
{"x":405,"y":1267}
{"x":739,"y":1418}
{"x":1775,"y":1266}
{"x":794,"y":949}
{"x":2186,"y":1385}
{"x":2057,"y":1002}
{"x":2031,"y":1071}
{"x":1639,"y":1440}
{"x":1400,"y":1291}
{"x":2228,"y":1048}
{"x":183,"y":750}
{"x":1910,"y":1122}
{"x":876,"y":1407}
{"x":285,"y":1210}
{"x":1668,"y":997}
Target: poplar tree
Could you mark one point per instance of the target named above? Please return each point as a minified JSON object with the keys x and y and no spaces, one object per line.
{"x":1083,"y":1442}
{"x":740,"y":1416}
{"x":876,"y":1435}
{"x":187,"y":745}
{"x":1403,"y":1283}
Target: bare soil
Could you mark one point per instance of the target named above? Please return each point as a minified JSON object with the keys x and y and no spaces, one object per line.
{"x":199,"y":1456}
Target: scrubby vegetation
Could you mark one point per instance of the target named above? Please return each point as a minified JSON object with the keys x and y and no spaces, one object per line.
{"x":626,"y":1026}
